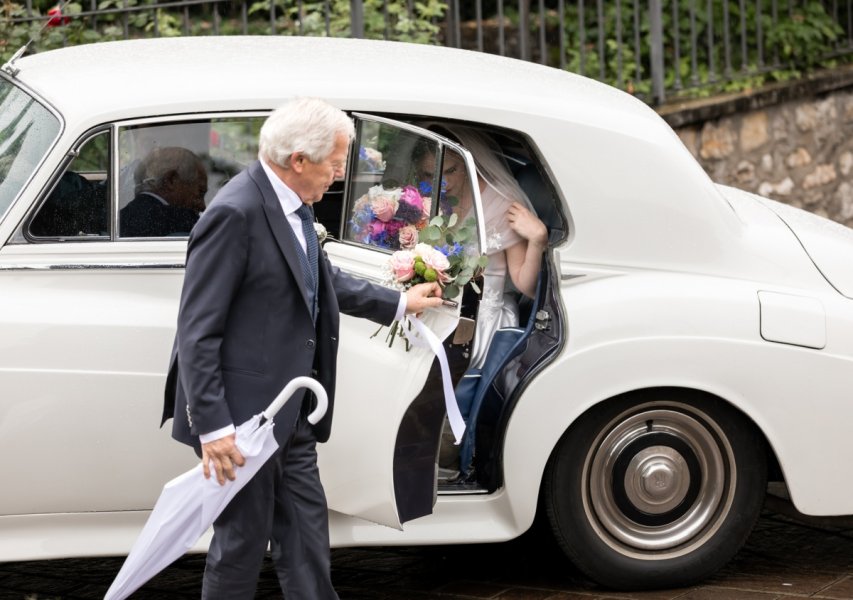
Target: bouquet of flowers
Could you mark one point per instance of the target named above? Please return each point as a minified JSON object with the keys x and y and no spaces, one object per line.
{"x":443,"y":256}
{"x":390,"y":218}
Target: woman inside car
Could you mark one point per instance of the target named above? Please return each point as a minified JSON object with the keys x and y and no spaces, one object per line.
{"x":515,"y":241}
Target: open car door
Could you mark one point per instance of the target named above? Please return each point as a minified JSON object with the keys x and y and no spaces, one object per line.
{"x":390,"y":196}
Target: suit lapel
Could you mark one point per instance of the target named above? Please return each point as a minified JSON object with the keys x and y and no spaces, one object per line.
{"x":280,"y":228}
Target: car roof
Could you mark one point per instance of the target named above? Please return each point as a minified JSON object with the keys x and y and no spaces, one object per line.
{"x":260,"y":72}
{"x":621,"y":163}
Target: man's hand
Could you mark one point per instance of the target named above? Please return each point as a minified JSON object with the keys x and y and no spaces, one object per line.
{"x":422,"y":296}
{"x":225,"y":455}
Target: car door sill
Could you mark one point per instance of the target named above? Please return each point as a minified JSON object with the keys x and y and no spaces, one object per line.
{"x":461,"y":489}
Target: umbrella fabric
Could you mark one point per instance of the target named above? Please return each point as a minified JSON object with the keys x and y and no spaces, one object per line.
{"x":189,"y":504}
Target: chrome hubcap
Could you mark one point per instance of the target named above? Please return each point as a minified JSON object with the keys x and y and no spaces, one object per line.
{"x":659,"y":480}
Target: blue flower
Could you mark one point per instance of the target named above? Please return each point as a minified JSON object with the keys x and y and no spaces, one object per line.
{"x":453,"y":250}
{"x":425,"y":188}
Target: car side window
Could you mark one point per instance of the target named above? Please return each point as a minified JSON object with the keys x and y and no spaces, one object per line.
{"x":78,"y":205}
{"x":169,"y":172}
{"x":396,"y":186}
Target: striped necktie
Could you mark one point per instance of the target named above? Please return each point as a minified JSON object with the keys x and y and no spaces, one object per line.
{"x":310,"y":263}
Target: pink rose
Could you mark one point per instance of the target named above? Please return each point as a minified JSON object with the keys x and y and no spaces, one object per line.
{"x":411,"y":196}
{"x":384,"y":207}
{"x":402,"y":265}
{"x":408,"y":237}
{"x":437,"y":261}
{"x":427,"y":207}
{"x":434,"y":260}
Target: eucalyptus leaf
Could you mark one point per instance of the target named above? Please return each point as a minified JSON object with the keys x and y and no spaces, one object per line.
{"x":452,"y":220}
{"x":431,"y":234}
{"x":451,"y":291}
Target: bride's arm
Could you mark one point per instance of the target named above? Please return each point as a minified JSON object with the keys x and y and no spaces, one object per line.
{"x":525,"y":258}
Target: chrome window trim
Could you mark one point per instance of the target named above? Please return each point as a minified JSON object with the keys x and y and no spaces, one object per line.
{"x":91,"y":266}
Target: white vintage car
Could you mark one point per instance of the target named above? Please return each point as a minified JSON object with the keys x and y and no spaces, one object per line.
{"x":688,"y":342}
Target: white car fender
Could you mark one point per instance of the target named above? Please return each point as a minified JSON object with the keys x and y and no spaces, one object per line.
{"x":622,"y":337}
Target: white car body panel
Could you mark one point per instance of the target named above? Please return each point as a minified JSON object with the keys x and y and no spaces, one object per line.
{"x":726,"y":302}
{"x":828,"y":243}
{"x":64,"y":337}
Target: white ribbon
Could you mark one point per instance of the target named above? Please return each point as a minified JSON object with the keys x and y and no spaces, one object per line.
{"x":425,"y":338}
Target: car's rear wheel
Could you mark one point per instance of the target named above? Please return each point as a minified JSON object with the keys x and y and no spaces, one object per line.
{"x":656,"y":489}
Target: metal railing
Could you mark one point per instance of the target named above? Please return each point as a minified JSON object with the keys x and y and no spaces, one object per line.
{"x":655,"y":49}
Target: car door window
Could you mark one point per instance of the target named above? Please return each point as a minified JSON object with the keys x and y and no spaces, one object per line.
{"x":169,"y":172}
{"x":78,"y":205}
{"x":390,"y":205}
{"x":401,"y":179}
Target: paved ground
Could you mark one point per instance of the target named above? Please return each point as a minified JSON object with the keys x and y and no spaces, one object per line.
{"x":782,"y":559}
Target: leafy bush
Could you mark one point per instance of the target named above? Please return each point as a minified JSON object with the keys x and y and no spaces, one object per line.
{"x":799,"y":40}
{"x":804,"y":38}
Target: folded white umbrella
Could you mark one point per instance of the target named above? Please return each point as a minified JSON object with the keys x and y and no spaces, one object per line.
{"x":189,"y":504}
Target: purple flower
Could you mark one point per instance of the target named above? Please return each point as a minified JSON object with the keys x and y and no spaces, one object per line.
{"x":376,"y":229}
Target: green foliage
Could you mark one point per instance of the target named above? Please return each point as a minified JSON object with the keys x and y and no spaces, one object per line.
{"x":803,"y":38}
{"x":445,"y":231}
{"x":392,"y":22}
{"x":800,"y":41}
{"x":585,"y":56}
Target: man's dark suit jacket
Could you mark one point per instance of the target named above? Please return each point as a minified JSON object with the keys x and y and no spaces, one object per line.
{"x":147,"y":216}
{"x":244,"y":326}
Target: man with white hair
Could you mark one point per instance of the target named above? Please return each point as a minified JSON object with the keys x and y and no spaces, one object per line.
{"x":260,"y":305}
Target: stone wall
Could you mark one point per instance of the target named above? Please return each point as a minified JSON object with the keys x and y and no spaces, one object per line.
{"x":799,"y":151}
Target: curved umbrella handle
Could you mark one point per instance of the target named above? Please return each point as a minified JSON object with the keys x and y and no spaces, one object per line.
{"x":287,"y":392}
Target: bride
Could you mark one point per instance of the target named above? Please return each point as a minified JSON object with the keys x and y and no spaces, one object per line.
{"x":515,"y":240}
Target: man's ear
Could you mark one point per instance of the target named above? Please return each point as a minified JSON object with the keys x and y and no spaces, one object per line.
{"x":297,"y":161}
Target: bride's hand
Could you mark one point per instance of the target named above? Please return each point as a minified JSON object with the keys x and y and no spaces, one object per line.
{"x":527,"y":225}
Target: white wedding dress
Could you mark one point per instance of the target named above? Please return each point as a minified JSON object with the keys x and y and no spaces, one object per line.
{"x":498,"y":307}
